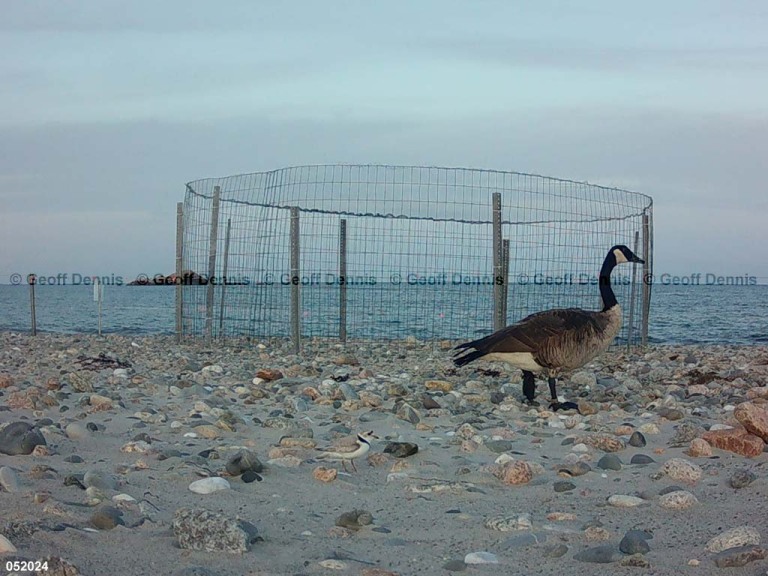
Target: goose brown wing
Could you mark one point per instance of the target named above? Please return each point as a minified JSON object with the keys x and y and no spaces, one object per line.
{"x":543,"y":332}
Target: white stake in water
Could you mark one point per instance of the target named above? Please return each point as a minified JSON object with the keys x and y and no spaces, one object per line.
{"x":98,"y":296}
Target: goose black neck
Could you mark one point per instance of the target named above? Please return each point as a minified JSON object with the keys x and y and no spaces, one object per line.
{"x":606,"y":292}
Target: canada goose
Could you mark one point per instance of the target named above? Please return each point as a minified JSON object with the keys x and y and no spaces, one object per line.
{"x":349,"y":452}
{"x":557,"y":340}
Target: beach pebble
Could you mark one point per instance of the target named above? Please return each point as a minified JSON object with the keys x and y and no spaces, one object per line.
{"x":285,"y":461}
{"x":9,"y":480}
{"x":208,"y":431}
{"x":738,"y":441}
{"x":635,"y":561}
{"x":76,"y":431}
{"x":200,"y":529}
{"x":481,"y":557}
{"x":355,"y":519}
{"x":100,"y":403}
{"x":672,"y":414}
{"x":290,"y":442}
{"x":401,"y":449}
{"x":604,"y":442}
{"x":596,"y":534}
{"x":106,"y":517}
{"x":649,"y":429}
{"x":323,"y":474}
{"x":584,"y":378}
{"x":635,"y":542}
{"x":80,"y":381}
{"x":348,"y":392}
{"x":20,"y":438}
{"x":100,"y":480}
{"x":408,"y":413}
{"x":6,"y":547}
{"x":440,"y":385}
{"x":209,"y":485}
{"x":699,"y":448}
{"x":753,"y":418}
{"x":573,"y":470}
{"x":516,"y":473}
{"x":604,"y":554}
{"x":637,"y":439}
{"x":587,"y":408}
{"x":139,"y":447}
{"x":333,"y":564}
{"x":243,"y":461}
{"x":624,"y":501}
{"x":739,"y":557}
{"x":397,"y":476}
{"x":682,"y":470}
{"x":250,"y":476}
{"x":609,"y":462}
{"x":455,"y":566}
{"x":742,"y":479}
{"x":678,"y":500}
{"x":122,"y":498}
{"x":500,"y":446}
{"x":555,"y":551}
{"x":563,"y":486}
{"x":195,"y":571}
{"x":641,"y":459}
{"x":734,"y":538}
{"x":509,"y":523}
{"x":429,"y":403}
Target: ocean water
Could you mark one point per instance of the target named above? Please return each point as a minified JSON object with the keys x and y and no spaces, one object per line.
{"x":679,"y":315}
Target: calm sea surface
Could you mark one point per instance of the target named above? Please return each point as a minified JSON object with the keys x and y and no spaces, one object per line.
{"x":679,"y":315}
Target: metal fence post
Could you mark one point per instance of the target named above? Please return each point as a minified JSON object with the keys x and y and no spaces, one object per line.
{"x":209,"y":299}
{"x":505,"y":276}
{"x":179,"y":271}
{"x":647,"y":275}
{"x":498,"y":287}
{"x":343,"y":280}
{"x":632,"y":295}
{"x":295,"y":280}
{"x":224,"y":276}
{"x":32,"y":280}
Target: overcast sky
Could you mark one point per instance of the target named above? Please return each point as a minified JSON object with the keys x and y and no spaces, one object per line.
{"x":109,"y":108}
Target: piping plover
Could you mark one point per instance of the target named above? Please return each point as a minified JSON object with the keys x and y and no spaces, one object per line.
{"x":348,"y":453}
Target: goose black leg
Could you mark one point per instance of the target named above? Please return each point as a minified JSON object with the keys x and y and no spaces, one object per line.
{"x":555,"y":404}
{"x":529,"y":387}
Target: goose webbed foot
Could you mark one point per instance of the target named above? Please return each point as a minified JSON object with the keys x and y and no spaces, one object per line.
{"x":556,"y":405}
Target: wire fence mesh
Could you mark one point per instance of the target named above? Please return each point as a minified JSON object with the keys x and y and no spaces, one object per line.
{"x":390,"y":252}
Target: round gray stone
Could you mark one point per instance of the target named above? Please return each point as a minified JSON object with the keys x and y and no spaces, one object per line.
{"x":99,"y":479}
{"x":641,"y":459}
{"x":637,"y":439}
{"x":605,"y":554}
{"x":609,"y":462}
{"x":742,"y":479}
{"x":635,"y":542}
{"x":106,"y":517}
{"x":20,"y":438}
{"x":243,"y":461}
{"x":455,"y":566}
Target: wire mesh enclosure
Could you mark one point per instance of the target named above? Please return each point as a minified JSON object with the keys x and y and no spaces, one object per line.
{"x":389,"y":252}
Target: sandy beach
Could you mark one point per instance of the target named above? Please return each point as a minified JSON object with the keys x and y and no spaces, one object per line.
{"x":105,"y":442}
